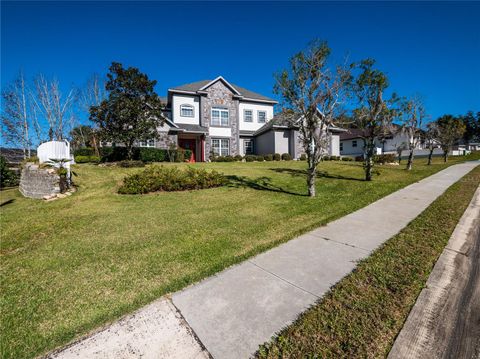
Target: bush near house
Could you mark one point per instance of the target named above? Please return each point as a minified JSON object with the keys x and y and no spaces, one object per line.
{"x":303,"y":157}
{"x":385,"y":158}
{"x":286,"y":157}
{"x":160,"y":178}
{"x":268,"y":157}
{"x":85,"y":151}
{"x":238,"y":158}
{"x":277,"y":157}
{"x":359,"y":159}
{"x":250,"y":158}
{"x":347,"y":159}
{"x":145,"y":154}
{"x":8,"y":178}
{"x":87,"y":159}
{"x":260,"y":158}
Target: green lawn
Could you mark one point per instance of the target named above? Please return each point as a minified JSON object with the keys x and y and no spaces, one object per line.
{"x":71,"y":265}
{"x":361,"y":316}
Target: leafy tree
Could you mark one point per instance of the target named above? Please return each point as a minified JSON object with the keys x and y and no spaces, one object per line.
{"x":413,"y":115}
{"x":312,"y":93}
{"x":132,"y":110}
{"x":472,"y":127}
{"x":450,"y":130}
{"x":7,"y":176}
{"x":373,"y":114}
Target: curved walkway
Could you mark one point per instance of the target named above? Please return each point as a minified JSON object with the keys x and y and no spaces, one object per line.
{"x":233,"y":312}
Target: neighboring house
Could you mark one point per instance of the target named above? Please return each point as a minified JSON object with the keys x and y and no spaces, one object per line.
{"x":215,"y":116}
{"x":351,"y":142}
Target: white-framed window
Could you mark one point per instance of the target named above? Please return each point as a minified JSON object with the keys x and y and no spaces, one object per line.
{"x":147,"y":143}
{"x":248,"y":146}
{"x":220,"y":117}
{"x":262,"y":116}
{"x":248,"y":115}
{"x":354,"y":143}
{"x":341,"y":146}
{"x":221,"y":146}
{"x":186,"y":111}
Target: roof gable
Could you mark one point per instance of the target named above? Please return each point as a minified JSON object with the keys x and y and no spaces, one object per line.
{"x":225,"y":82}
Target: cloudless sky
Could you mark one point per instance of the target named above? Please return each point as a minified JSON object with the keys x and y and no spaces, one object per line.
{"x":431,"y":48}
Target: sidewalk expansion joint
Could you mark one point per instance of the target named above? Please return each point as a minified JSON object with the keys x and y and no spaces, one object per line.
{"x":345,"y":244}
{"x":284,"y":280}
{"x":458,"y":252}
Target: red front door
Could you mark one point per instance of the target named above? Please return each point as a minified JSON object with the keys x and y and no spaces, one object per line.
{"x":188,"y":144}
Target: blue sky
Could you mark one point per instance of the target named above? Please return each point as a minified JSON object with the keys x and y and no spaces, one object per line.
{"x":431,"y":48}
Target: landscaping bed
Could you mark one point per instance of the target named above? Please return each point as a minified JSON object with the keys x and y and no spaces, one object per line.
{"x":69,"y":266}
{"x":361,"y":316}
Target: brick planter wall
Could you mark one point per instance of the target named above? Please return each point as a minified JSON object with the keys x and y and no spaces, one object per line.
{"x":38,"y":182}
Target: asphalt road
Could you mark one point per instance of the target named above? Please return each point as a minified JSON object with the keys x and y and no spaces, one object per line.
{"x":445,"y":321}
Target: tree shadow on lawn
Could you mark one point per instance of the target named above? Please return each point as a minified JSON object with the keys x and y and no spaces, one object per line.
{"x":7,"y":202}
{"x":260,"y":184}
{"x":320,"y":174}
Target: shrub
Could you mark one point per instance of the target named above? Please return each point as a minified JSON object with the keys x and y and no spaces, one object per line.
{"x":238,"y":158}
{"x":153,"y":155}
{"x":359,"y":159}
{"x":133,"y":163}
{"x":286,"y":157}
{"x":277,"y":157}
{"x":303,"y":157}
{"x":250,"y":158}
{"x":160,"y":178}
{"x":87,"y":159}
{"x":326,"y":158}
{"x":385,"y":158}
{"x":229,"y":159}
{"x":85,"y":151}
{"x":8,"y":178}
{"x":347,"y":159}
{"x":115,"y":154}
{"x":268,"y":157}
{"x":335,"y":158}
{"x":259,"y":158}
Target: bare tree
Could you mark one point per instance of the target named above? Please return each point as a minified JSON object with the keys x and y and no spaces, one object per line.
{"x":450,"y":129}
{"x":313,"y":92}
{"x":413,"y":115}
{"x":374,"y":115}
{"x":92,"y":94}
{"x":430,"y":138}
{"x":55,"y":108}
{"x":16,"y":115}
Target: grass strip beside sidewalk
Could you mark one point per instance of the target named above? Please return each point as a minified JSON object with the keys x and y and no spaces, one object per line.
{"x":361,"y":316}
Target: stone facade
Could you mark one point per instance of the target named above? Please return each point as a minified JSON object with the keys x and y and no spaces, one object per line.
{"x":38,"y":182}
{"x":165,"y":140}
{"x":219,"y":95}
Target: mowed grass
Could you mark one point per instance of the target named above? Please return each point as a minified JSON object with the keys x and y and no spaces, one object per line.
{"x":361,"y":316}
{"x":71,"y":265}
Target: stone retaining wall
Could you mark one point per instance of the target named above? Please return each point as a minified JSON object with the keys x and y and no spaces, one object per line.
{"x":38,"y":182}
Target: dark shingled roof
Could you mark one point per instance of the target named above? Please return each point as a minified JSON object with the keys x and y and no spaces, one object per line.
{"x":281,"y":119}
{"x":195,"y":86}
{"x":192,"y":128}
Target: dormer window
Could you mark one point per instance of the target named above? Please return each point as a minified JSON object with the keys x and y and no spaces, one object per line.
{"x":186,"y":110}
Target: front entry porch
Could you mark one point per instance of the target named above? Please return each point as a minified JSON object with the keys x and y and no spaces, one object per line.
{"x":194,"y":143}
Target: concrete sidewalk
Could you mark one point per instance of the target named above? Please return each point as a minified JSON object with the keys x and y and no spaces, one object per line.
{"x":232,"y":313}
{"x":235,"y":311}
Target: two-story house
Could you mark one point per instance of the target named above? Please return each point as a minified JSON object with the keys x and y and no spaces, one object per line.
{"x":215,"y":116}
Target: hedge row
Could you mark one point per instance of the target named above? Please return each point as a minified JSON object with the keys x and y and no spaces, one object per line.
{"x":159,"y":178}
{"x":116,"y":154}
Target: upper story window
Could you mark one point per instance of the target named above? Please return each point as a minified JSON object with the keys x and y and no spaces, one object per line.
{"x":186,"y":110}
{"x":354,"y":143}
{"x":248,"y":115}
{"x":147,"y":143}
{"x":219,"y":117}
{"x":262,"y":116}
